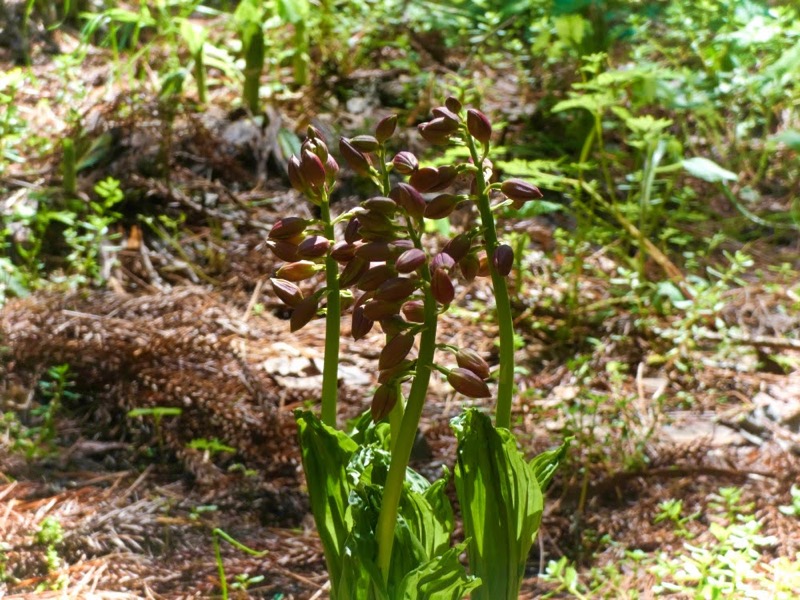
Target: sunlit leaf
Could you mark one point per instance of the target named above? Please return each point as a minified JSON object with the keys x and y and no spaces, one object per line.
{"x":707,"y":170}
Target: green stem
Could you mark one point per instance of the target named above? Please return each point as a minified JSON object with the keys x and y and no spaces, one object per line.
{"x":401,"y":452}
{"x":505,"y":322}
{"x":330,"y":369}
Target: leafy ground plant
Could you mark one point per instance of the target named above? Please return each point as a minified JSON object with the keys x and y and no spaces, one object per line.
{"x":386,"y":530}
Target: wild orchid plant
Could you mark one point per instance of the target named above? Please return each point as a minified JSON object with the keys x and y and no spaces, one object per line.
{"x":386,"y":530}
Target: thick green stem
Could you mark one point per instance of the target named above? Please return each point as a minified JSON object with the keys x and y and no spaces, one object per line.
{"x":402,"y":445}
{"x":330,"y":369}
{"x":505,"y":323}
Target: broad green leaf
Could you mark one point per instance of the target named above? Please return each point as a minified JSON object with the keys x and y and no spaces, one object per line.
{"x":545,"y":464}
{"x":707,"y":170}
{"x":326,"y":454}
{"x":442,"y":578}
{"x":501,"y":501}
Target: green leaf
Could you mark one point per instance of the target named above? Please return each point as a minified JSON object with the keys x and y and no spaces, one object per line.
{"x":326,"y":454}
{"x":442,"y":578}
{"x":790,"y":137}
{"x":545,"y":464}
{"x":501,"y":501}
{"x":707,"y":170}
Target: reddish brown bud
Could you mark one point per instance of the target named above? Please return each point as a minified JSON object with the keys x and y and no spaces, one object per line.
{"x":352,"y":272}
{"x":424,"y":179}
{"x":286,"y":291}
{"x":445,"y":176}
{"x":442,"y":288}
{"x":357,"y":160}
{"x":393,"y":325}
{"x":410,"y":260}
{"x":453,"y":104}
{"x":375,"y":222}
{"x":365,"y":143}
{"x":458,"y":247}
{"x":438,"y":131}
{"x":469,"y":266}
{"x":396,"y":288}
{"x":409,"y":199}
{"x":298,"y":271}
{"x":312,"y":169}
{"x":471,"y":360}
{"x":466,"y":382}
{"x":287,"y":228}
{"x":378,"y":310}
{"x":503,"y":259}
{"x":446,"y":114}
{"x":303,"y":313}
{"x":351,"y":235}
{"x":313,"y":247}
{"x":283,"y":250}
{"x":405,"y":163}
{"x":342,"y":252}
{"x":316,"y":146}
{"x":360,"y":325}
{"x":479,"y":126}
{"x":374,"y":277}
{"x":520,"y":191}
{"x":385,"y":128}
{"x":395,"y":350}
{"x":442,"y":261}
{"x":441,"y":206}
{"x":374,"y":251}
{"x":295,"y":176}
{"x":380,"y":205}
{"x":413,"y":311}
{"x":331,"y":169}
{"x":383,"y":402}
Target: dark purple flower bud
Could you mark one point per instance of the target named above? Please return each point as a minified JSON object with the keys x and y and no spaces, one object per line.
{"x":383,"y":402}
{"x":395,"y":288}
{"x":469,"y":266}
{"x":438,"y":131}
{"x":303,"y":313}
{"x":375,"y":251}
{"x":442,"y":261}
{"x":458,"y":247}
{"x":520,"y":191}
{"x":313,"y":247}
{"x":444,"y":177}
{"x":385,"y":128}
{"x":357,"y":160}
{"x":287,"y":228}
{"x":479,"y":126}
{"x":466,"y":382}
{"x":295,"y":176}
{"x":453,"y":104}
{"x":378,"y":310}
{"x":441,"y":206}
{"x":471,"y":360}
{"x":374,"y":277}
{"x":446,"y":114}
{"x":351,"y":234}
{"x":361,"y":325}
{"x":395,"y":350}
{"x":409,"y":199}
{"x":413,"y":311}
{"x":331,"y":169}
{"x":405,"y":163}
{"x":352,"y":272}
{"x":400,"y":246}
{"x":316,"y":146}
{"x":410,"y":260}
{"x":298,"y":271}
{"x":503,"y":259}
{"x":380,"y":205}
{"x":284,"y":250}
{"x":424,"y":179}
{"x":313,"y":170}
{"x":364,"y":143}
{"x":393,"y":326}
{"x":375,"y":222}
{"x":342,"y":252}
{"x":442,"y":288}
{"x":287,"y":292}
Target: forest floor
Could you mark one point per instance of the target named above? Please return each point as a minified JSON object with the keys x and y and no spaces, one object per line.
{"x":663,"y":408}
